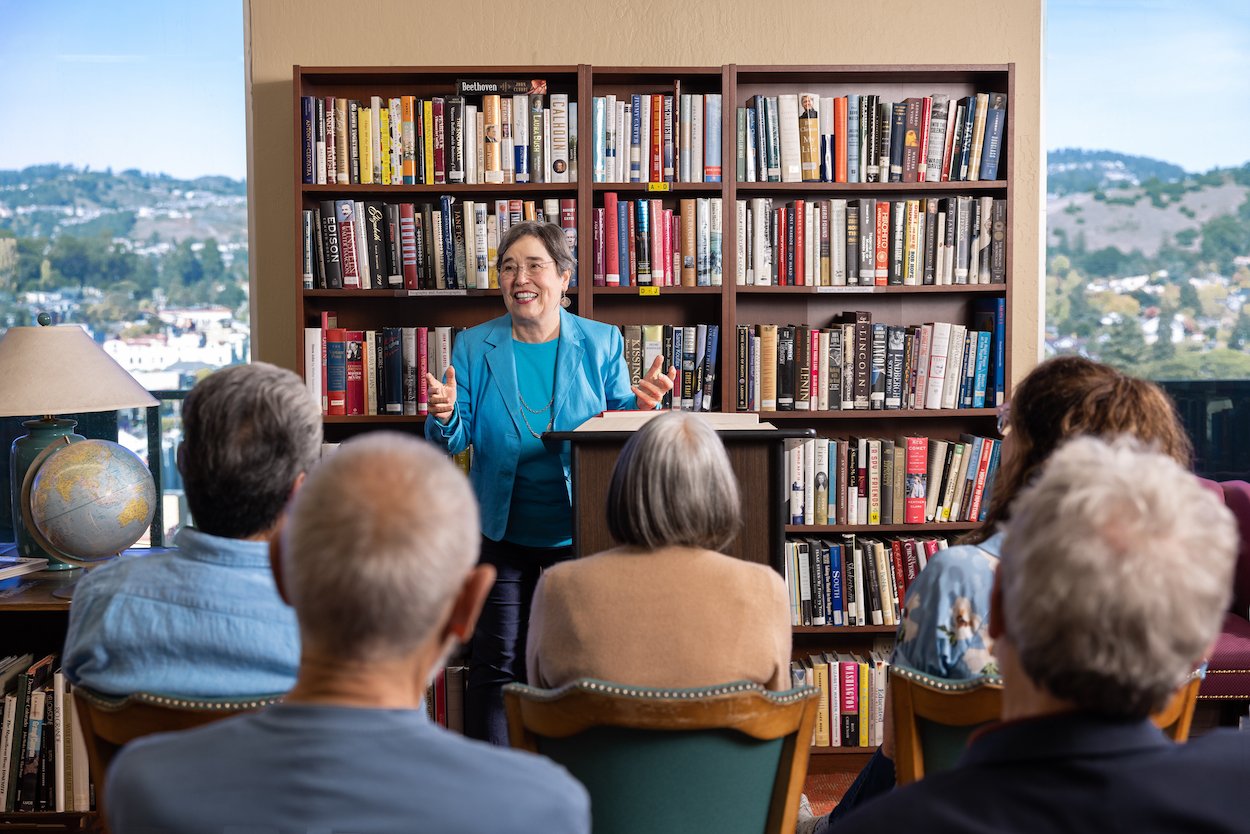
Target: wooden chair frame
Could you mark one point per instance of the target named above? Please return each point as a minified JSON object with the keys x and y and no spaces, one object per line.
{"x":953,"y":703}
{"x":108,"y":722}
{"x":741,"y":706}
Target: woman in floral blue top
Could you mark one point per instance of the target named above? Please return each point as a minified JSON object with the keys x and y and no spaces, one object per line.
{"x":946,"y":610}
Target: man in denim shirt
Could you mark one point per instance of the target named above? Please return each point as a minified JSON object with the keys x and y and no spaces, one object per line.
{"x":206,"y":619}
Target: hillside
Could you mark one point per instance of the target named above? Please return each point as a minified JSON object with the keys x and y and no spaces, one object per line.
{"x":48,"y":200}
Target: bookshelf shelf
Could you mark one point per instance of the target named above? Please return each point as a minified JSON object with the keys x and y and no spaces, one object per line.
{"x":856,"y":290}
{"x":865,"y":752}
{"x":833,"y":188}
{"x":427,"y":191}
{"x":644,"y":290}
{"x":921,"y":529}
{"x":834,"y":631}
{"x":658,"y":189}
{"x":374,"y":419}
{"x":878,"y":414}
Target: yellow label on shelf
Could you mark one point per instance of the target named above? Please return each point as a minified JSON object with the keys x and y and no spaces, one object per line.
{"x":649,"y":290}
{"x":658,"y":186}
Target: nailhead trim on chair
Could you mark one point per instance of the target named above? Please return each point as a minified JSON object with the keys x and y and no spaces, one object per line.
{"x":226,"y":705}
{"x":944,"y":684}
{"x":590,"y":685}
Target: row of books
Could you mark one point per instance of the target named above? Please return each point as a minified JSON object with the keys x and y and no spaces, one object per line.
{"x":642,"y":243}
{"x":43,"y":752}
{"x":692,"y":349}
{"x":872,"y":242}
{"x":874,"y":481}
{"x":374,"y":372}
{"x":855,"y":363}
{"x":525,"y":137}
{"x":806,"y":137}
{"x":448,"y":244}
{"x":851,"y":710}
{"x":444,"y":697}
{"x":656,"y":137}
{"x":853,"y":580}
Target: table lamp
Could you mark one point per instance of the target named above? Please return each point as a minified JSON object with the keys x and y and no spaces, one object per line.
{"x":55,"y":370}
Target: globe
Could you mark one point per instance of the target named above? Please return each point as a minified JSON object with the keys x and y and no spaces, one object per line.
{"x":92,"y":499}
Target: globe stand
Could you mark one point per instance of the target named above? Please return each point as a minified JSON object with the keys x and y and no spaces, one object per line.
{"x":41,"y":435}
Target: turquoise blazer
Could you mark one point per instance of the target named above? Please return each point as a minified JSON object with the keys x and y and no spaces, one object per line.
{"x":591,"y":376}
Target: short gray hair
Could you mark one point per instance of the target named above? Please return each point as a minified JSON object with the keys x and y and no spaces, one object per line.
{"x":673,"y":485}
{"x":248,"y":432}
{"x":549,"y":235}
{"x":1117,"y":569}
{"x":377,"y":544}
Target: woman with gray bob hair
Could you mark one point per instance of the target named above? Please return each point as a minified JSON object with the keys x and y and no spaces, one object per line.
{"x":673,"y":486}
{"x":652,"y":612}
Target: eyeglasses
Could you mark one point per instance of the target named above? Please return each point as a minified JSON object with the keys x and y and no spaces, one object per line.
{"x":1004,"y":418}
{"x":530,"y":269}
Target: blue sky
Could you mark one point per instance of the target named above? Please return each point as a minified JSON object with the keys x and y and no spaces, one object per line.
{"x":1162,"y":78}
{"x":136,"y":84}
{"x":159,"y":85}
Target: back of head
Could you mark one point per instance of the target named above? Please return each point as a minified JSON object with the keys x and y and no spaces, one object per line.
{"x":1116,"y":572}
{"x":1069,"y":396}
{"x":376,"y":545}
{"x":673,"y":486}
{"x":248,"y":432}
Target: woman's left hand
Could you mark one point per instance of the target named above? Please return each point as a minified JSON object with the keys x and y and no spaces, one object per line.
{"x":651,"y":389}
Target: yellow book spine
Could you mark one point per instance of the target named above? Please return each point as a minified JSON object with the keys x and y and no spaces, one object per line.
{"x":384,"y":134}
{"x":427,"y":133}
{"x":406,"y":106}
{"x":364,"y":132}
{"x":865,"y":710}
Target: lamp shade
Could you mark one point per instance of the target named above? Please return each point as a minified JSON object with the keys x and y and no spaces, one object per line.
{"x":60,"y":370}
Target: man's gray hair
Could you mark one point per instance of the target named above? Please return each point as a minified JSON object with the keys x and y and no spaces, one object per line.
{"x":376,"y":546}
{"x":673,"y":486}
{"x":1117,"y":569}
{"x":248,"y":433}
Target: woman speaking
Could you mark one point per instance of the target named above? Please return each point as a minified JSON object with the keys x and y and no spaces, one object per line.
{"x":536,"y":368}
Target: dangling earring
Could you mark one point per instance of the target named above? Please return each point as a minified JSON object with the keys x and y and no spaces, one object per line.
{"x":565,"y":301}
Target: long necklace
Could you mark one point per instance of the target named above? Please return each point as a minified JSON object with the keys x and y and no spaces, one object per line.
{"x":525,"y":407}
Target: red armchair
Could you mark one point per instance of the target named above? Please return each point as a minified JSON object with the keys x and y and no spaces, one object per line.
{"x":1228,"y":672}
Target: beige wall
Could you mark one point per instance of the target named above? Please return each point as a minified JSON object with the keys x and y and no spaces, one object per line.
{"x":282,"y":33}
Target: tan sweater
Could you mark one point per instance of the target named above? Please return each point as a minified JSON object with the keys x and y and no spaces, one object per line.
{"x":676,"y":617}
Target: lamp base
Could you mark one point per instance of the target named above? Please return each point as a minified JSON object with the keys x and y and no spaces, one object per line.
{"x":41,"y":433}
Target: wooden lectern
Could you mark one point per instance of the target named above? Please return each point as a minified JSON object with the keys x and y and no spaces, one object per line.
{"x":758,"y":459}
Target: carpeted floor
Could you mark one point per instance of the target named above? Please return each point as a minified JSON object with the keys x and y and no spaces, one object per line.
{"x":825,"y":789}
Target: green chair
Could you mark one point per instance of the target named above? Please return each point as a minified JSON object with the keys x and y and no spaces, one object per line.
{"x":728,"y":758}
{"x":934,"y":717}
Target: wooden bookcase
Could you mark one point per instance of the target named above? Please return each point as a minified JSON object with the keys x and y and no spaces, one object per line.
{"x":727,"y":305}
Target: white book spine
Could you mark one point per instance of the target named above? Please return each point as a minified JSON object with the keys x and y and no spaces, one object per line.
{"x":809,"y":480}
{"x":837,"y":242}
{"x":312,"y":367}
{"x":572,"y":141}
{"x":559,"y":138}
{"x":740,"y":222}
{"x":684,"y":118}
{"x":788,"y":125}
{"x":58,"y":741}
{"x":954,"y":366}
{"x":716,"y":230}
{"x":938,"y":347}
{"x":697,"y":128}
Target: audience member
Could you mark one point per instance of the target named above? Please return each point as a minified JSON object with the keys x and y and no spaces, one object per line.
{"x":944,"y":632}
{"x":664,"y":608}
{"x":378,"y":559}
{"x":205,"y":619}
{"x":1115,"y":571}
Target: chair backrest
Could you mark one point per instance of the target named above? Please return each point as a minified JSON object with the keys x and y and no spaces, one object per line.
{"x":108,"y":722}
{"x":1177,"y":717}
{"x":933,"y":719}
{"x":728,"y":758}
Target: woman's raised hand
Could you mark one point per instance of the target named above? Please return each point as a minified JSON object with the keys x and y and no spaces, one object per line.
{"x":651,"y":389}
{"x":442,"y":395}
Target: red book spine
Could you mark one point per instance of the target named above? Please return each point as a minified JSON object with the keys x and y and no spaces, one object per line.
{"x":978,"y":492}
{"x":900,"y":584}
{"x":926,"y":114}
{"x":914,"y":487}
{"x":612,"y":250}
{"x":666,"y":219}
{"x":881,"y":242}
{"x":659,"y":267}
{"x":633,"y":249}
{"x":850,"y":702}
{"x":440,"y":165}
{"x":423,"y":367}
{"x":817,"y":380}
{"x":408,"y":244}
{"x":354,"y":345}
{"x":800,"y":240}
{"x":779,"y":276}
{"x":839,"y":140}
{"x":336,"y":371}
{"x":911,"y":564}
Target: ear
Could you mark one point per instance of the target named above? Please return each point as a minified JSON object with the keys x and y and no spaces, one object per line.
{"x":299,"y":482}
{"x":275,"y":565}
{"x":997,"y":624}
{"x":468,"y":604}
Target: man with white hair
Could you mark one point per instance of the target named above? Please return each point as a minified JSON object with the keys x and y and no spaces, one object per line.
{"x":378,"y":557}
{"x":1116,"y":570}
